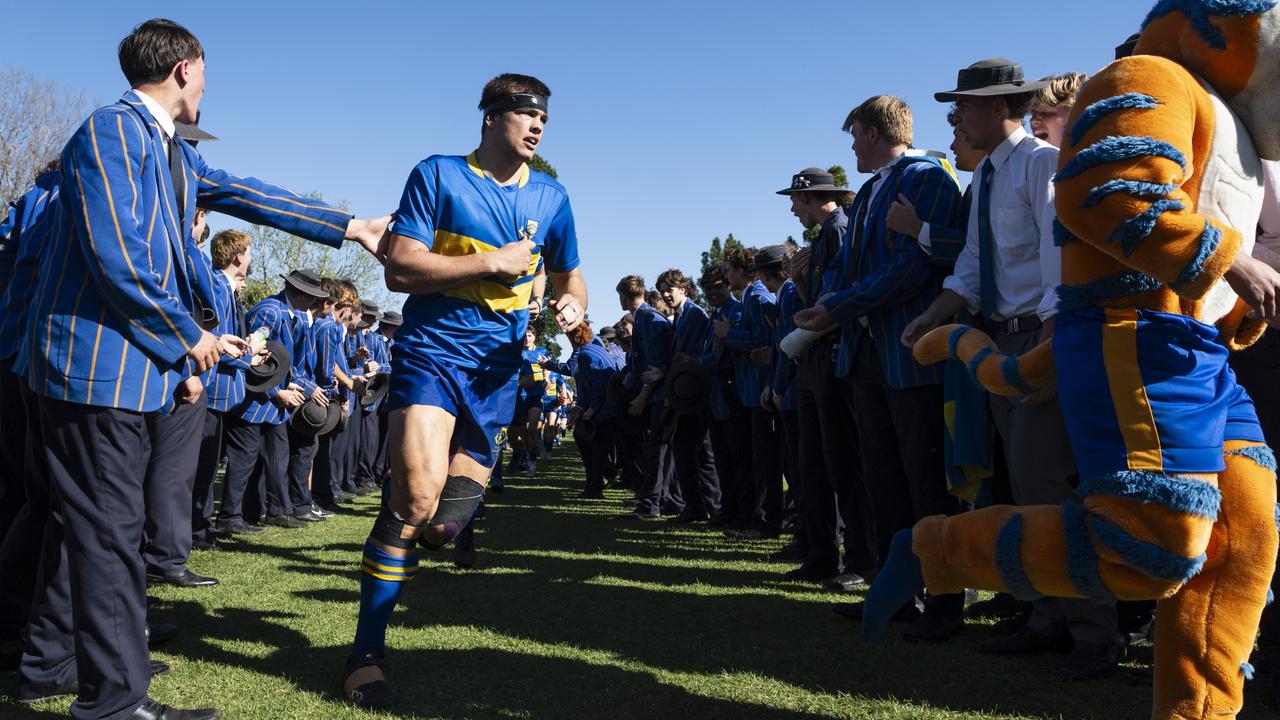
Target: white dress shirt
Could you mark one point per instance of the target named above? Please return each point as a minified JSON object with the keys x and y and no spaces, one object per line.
{"x":1267,"y":248}
{"x":161,"y":115}
{"x":1028,"y":266}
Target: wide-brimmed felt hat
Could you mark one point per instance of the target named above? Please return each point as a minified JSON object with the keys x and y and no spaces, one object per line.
{"x":376,"y":389}
{"x":616,"y":391}
{"x":608,"y":332}
{"x":812,"y":179}
{"x":314,"y":419}
{"x":688,"y":388}
{"x":586,"y":428}
{"x":191,"y":133}
{"x":990,"y":78}
{"x":262,"y":377}
{"x":305,"y":281}
{"x":768,"y":257}
{"x":1126,"y":48}
{"x":393,"y":318}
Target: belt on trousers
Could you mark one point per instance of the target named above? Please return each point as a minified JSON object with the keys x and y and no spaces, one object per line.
{"x":1012,"y":326}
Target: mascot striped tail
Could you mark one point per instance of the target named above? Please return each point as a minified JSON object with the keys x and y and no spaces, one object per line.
{"x":998,"y":373}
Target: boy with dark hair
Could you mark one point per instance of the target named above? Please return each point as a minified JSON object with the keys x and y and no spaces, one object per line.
{"x":330,"y":329}
{"x":695,"y":463}
{"x":470,"y":272}
{"x":829,"y":467}
{"x":136,"y":340}
{"x":731,"y":431}
{"x":650,"y":346}
{"x":759,"y":513}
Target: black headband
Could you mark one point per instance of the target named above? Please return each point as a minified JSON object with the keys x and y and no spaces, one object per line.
{"x":516,"y":101}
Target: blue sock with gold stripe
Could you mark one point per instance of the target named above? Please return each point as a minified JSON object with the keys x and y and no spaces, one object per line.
{"x":382,"y":575}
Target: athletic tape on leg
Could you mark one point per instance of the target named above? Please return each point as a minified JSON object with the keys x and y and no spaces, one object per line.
{"x":459,"y":499}
{"x":391,"y":530}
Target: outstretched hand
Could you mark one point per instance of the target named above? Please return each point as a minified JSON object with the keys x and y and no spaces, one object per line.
{"x":371,"y":234}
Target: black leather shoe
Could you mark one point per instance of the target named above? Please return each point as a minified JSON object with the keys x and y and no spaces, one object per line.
{"x":307,"y":517}
{"x":241,"y":528}
{"x":29,"y":695}
{"x":464,"y":550}
{"x":158,"y":633}
{"x":373,"y":695}
{"x":1094,"y":660}
{"x":752,"y":534}
{"x":791,"y":552}
{"x":853,"y":610}
{"x":805,"y":573}
{"x":152,"y":710}
{"x":933,"y":628}
{"x":638,"y":516}
{"x":284,"y":521}
{"x":1002,"y":605}
{"x":847,"y":582}
{"x":186,"y":578}
{"x":1025,"y":642}
{"x":685,"y":518}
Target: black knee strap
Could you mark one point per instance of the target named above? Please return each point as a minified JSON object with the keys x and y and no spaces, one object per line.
{"x":392,"y":531}
{"x":458,"y":500}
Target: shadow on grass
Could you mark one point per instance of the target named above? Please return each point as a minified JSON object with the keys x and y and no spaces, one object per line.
{"x":672,"y":608}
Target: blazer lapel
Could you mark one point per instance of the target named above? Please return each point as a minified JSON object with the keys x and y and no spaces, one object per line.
{"x":160,"y":169}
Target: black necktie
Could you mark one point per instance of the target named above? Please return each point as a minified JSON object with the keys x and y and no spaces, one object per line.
{"x":179,"y":177}
{"x":237,"y":311}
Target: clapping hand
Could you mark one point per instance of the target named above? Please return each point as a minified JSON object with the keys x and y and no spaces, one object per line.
{"x":816,"y":318}
{"x":233,"y":346}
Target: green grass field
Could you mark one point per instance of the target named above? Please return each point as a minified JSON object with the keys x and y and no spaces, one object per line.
{"x":572,"y":614}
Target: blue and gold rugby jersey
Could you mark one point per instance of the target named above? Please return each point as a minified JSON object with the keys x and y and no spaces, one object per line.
{"x":453,"y":208}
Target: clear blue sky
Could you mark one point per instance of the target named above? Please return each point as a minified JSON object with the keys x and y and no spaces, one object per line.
{"x":671,"y":122}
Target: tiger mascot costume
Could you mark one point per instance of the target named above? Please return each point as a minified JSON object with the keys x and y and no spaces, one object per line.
{"x":1158,"y":194}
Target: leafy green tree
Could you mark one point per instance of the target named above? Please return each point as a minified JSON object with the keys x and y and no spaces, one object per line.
{"x":715,"y":255}
{"x":275,"y":253}
{"x":541,"y":165}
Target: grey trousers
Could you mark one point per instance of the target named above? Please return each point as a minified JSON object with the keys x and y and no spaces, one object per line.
{"x":1042,"y":471}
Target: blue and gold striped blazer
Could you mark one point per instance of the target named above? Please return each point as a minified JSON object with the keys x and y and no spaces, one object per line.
{"x":224,"y":382}
{"x":888,"y":278}
{"x":110,"y":321}
{"x":23,"y":233}
{"x":283,"y":323}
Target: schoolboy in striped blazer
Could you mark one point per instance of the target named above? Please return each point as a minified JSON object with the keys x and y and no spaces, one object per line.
{"x":112,"y":336}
